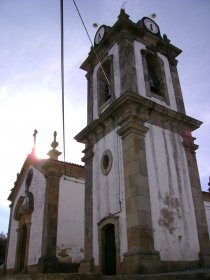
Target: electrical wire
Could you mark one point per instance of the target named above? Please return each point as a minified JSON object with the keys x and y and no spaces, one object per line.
{"x":62,"y":77}
{"x":108,"y":82}
{"x":62,"y":67}
{"x":120,"y":203}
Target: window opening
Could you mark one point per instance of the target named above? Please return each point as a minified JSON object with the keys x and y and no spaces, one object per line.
{"x":106,"y":162}
{"x":105,"y":91}
{"x":154,"y":74}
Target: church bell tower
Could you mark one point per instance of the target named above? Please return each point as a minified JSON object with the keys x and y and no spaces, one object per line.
{"x":143,"y":203}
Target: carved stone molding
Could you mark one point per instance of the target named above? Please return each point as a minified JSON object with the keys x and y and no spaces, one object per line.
{"x":188,"y":143}
{"x":88,"y":151}
{"x":141,"y":111}
{"x":130,"y":127}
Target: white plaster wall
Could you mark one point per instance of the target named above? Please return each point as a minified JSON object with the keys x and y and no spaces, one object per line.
{"x":117,"y":85}
{"x":139,"y":68}
{"x":108,"y":190}
{"x":169,"y":84}
{"x":116,"y":69}
{"x":95,"y":95}
{"x":207,"y":210}
{"x":173,"y":218}
{"x":70,"y":231}
{"x":140,"y":77}
{"x":10,"y":263}
{"x":38,"y":187}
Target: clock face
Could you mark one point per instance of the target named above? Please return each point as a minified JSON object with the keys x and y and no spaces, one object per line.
{"x":151,"y":25}
{"x":99,"y":35}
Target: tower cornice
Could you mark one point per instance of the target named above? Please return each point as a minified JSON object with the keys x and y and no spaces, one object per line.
{"x":140,"y":109}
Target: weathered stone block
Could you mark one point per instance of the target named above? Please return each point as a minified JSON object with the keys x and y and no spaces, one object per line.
{"x":143,"y":168}
{"x":140,"y":262}
{"x":135,"y":219}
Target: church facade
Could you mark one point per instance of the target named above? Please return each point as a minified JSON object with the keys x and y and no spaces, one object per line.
{"x":47,"y":218}
{"x":139,"y":204}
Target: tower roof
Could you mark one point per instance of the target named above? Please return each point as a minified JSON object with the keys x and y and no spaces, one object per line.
{"x":126,"y":28}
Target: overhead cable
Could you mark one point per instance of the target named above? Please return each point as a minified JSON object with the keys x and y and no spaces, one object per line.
{"x":62,"y":77}
{"x":108,"y":82}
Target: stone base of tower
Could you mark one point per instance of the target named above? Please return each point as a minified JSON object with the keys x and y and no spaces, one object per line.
{"x":141,"y":262}
{"x":144,"y":263}
{"x":204,"y":259}
{"x":48,"y":264}
{"x":52,"y":265}
{"x":87,"y":266}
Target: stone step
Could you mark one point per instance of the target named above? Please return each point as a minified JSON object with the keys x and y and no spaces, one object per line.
{"x":185,"y":275}
{"x":52,"y":276}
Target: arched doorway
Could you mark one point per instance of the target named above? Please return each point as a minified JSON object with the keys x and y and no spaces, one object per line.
{"x":109,"y":250}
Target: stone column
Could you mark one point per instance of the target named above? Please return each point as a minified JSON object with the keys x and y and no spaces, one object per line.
{"x":141,"y":256}
{"x":48,"y":261}
{"x":200,"y":215}
{"x":87,"y":265}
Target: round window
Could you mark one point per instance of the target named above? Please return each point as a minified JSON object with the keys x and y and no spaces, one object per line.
{"x":106,"y":162}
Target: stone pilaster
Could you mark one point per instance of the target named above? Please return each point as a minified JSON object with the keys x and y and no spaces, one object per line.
{"x":48,"y":261}
{"x":127,"y":64}
{"x":200,"y":215}
{"x":89,"y":77}
{"x":18,"y":249}
{"x":141,"y":256}
{"x":176,"y":85}
{"x":87,"y":265}
{"x":28,"y":228}
{"x":8,"y":235}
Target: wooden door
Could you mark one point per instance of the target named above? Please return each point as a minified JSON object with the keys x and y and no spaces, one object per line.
{"x":109,"y":251}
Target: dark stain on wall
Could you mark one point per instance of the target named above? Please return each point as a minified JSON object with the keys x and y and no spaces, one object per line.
{"x":169,"y":213}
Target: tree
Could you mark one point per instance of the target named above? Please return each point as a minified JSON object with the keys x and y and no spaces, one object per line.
{"x":3,"y":242}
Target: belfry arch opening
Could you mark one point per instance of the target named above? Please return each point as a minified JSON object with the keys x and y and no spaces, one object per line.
{"x":154,"y":73}
{"x":105,"y":82}
{"x":155,"y":79}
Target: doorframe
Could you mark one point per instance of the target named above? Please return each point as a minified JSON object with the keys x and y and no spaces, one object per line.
{"x":24,"y":222}
{"x":113,"y":220}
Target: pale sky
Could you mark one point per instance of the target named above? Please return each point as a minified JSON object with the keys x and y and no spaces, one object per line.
{"x":30,"y":87}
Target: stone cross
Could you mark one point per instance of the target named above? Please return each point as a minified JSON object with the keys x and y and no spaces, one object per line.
{"x":123,"y":4}
{"x":34,"y":135}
